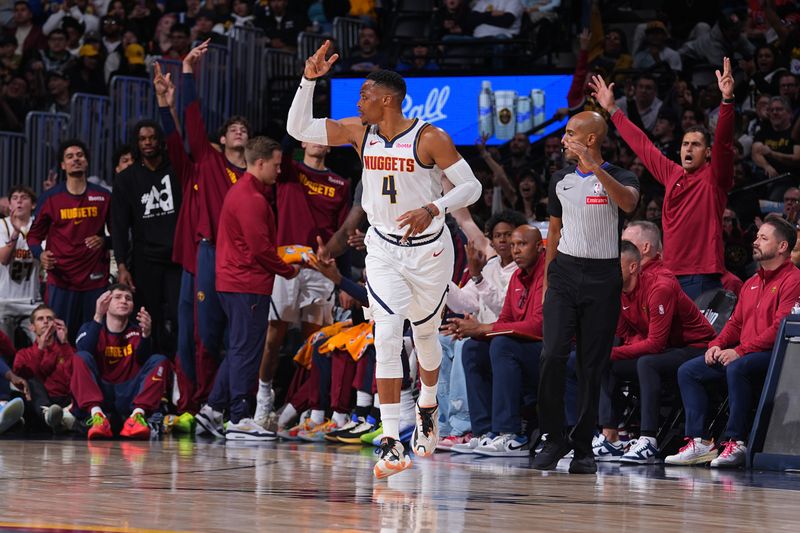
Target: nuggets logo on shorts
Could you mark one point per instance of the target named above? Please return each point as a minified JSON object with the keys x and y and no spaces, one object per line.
{"x":201,"y":296}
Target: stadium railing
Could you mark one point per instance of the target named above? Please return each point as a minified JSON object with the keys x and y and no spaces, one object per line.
{"x":281,"y":72}
{"x":308,"y":43}
{"x":91,"y":121}
{"x":132,"y":99}
{"x":345,"y":31}
{"x":245,"y":48}
{"x":44,"y":132}
{"x":12,"y":160}
{"x":214,"y":86}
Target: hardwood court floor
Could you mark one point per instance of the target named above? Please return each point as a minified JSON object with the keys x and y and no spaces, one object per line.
{"x":183,"y":485}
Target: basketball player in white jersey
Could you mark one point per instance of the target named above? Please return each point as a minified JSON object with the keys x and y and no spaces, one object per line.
{"x":409,"y":250}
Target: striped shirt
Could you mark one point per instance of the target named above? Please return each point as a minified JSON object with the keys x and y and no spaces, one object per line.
{"x":591,"y":221}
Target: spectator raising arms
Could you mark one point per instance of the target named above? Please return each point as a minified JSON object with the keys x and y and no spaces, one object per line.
{"x":696,"y":191}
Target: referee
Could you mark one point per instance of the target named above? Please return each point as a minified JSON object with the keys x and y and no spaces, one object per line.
{"x":583,"y":282}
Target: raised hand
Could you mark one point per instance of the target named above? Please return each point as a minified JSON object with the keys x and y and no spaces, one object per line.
{"x":145,"y":322}
{"x":101,"y":307}
{"x":585,"y":38}
{"x":316,"y":65}
{"x":194,"y":56}
{"x":61,"y":331}
{"x":725,"y":79}
{"x":585,"y":157}
{"x":604,"y":94}
{"x":476,"y":259}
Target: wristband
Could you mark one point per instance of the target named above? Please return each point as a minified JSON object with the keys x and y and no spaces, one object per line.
{"x":429,"y":210}
{"x":729,"y":100}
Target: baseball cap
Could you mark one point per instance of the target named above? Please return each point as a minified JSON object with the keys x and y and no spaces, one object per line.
{"x":88,"y":50}
{"x":134,"y":53}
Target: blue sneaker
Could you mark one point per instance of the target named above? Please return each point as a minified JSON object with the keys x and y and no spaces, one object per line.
{"x":10,"y":413}
{"x":607,"y":451}
{"x":643,"y":452}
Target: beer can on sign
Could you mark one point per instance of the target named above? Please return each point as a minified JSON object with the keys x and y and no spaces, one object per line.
{"x":524,"y":115}
{"x":537,"y":100}
{"x":505,"y":119}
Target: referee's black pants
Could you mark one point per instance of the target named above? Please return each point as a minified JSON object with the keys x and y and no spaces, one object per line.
{"x":582,"y":303}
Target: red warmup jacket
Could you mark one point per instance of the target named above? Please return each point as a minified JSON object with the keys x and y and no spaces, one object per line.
{"x":247,"y":259}
{"x":184,"y":246}
{"x":215,"y":174}
{"x":693,"y":203}
{"x":51,"y":366}
{"x":311,"y":203}
{"x":522,"y":309}
{"x":764,"y":300}
{"x":658,"y":315}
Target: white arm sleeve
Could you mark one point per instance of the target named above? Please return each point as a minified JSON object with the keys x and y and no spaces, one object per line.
{"x":301,"y":123}
{"x":466,"y":191}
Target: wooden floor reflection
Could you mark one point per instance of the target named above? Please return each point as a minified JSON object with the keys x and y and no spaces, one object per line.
{"x":175,"y":485}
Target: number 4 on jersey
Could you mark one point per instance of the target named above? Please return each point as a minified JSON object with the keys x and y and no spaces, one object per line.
{"x":389,"y":188}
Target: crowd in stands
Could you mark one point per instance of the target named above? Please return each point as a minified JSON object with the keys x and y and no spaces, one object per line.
{"x":111,"y":320}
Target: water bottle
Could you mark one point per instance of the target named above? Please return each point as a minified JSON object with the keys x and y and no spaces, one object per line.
{"x":486,"y":110}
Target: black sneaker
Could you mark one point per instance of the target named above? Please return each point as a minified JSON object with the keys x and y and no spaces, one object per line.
{"x":353,"y":436}
{"x":583,"y":465}
{"x":353,"y":422}
{"x":551,"y":454}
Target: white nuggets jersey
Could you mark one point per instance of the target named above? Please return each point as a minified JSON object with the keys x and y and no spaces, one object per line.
{"x":395,"y":181}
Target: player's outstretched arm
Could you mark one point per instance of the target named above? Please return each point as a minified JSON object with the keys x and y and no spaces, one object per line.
{"x":301,"y":123}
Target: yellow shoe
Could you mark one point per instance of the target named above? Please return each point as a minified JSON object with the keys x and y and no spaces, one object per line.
{"x":318,"y":432}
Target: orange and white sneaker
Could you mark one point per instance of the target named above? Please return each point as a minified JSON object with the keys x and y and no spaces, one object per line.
{"x":318,"y":432}
{"x":426,"y":433}
{"x":291,"y":433}
{"x":393,"y":458}
{"x":135,"y":428}
{"x":99,"y":427}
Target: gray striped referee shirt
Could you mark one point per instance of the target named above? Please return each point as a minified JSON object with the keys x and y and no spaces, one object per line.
{"x":591,"y":223}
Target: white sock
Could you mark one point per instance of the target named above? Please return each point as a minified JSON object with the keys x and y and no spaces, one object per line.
{"x":652,"y":440}
{"x":264,"y":388}
{"x":340,"y":419}
{"x":363,"y":399}
{"x":288,"y":414}
{"x":97,"y":410}
{"x":390,"y":416}
{"x":427,"y":395}
{"x":408,"y":414}
{"x":317,"y":416}
{"x":137,"y":411}
{"x":376,"y":400}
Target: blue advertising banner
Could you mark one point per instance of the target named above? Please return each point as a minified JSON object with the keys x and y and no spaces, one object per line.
{"x":466,"y":106}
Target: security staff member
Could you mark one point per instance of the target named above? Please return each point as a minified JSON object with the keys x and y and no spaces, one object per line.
{"x":582,"y":286}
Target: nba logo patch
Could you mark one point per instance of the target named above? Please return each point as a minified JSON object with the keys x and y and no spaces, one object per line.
{"x":598,"y":189}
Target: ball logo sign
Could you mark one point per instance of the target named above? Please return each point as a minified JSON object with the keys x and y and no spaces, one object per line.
{"x":432,"y":110}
